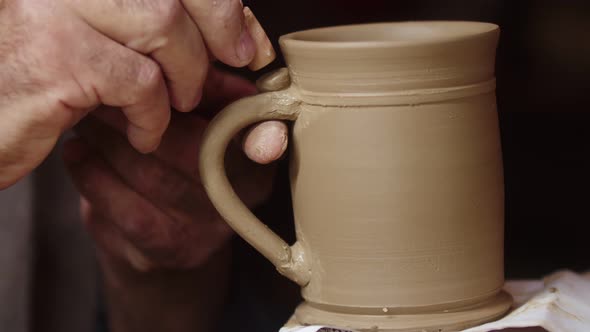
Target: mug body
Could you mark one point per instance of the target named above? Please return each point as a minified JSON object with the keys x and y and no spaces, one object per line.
{"x":396,"y":169}
{"x":400,"y":206}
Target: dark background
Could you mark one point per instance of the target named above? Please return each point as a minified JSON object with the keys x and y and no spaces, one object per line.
{"x":543,"y":70}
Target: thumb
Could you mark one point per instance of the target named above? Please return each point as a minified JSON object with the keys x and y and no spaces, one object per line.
{"x":266,"y":142}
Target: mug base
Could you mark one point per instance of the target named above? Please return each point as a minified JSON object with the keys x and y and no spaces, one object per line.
{"x":447,"y":321}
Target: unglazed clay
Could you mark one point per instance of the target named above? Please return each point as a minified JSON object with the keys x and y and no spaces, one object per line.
{"x":396,"y":174}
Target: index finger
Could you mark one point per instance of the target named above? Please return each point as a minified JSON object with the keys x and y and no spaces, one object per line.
{"x":232,"y":32}
{"x":124,"y":78}
{"x":224,"y":29}
{"x":162,"y":30}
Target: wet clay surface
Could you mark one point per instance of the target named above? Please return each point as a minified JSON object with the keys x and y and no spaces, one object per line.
{"x":396,"y":174}
{"x":406,"y":214}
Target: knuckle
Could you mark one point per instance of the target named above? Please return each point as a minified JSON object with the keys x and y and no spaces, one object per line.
{"x":164,"y":16}
{"x":52,"y":119}
{"x":162,"y":183}
{"x":175,"y":187}
{"x":164,"y":249}
{"x":150,"y":176}
{"x":142,"y":228}
{"x":227,"y":11}
{"x":147,"y":78}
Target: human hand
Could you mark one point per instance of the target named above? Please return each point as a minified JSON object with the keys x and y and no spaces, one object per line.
{"x":150,"y":211}
{"x":60,"y":59}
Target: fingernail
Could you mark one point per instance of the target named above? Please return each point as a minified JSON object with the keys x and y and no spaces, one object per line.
{"x":246,"y":48}
{"x":74,"y":151}
{"x":265,"y":53}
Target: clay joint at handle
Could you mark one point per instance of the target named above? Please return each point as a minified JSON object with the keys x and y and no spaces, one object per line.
{"x":296,"y":265}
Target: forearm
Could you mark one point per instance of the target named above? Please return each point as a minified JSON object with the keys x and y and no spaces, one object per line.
{"x":170,"y":300}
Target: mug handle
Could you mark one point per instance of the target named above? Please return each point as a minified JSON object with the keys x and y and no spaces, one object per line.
{"x":275,"y":103}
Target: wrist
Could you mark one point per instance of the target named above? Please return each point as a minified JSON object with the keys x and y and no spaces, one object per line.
{"x":166,"y":299}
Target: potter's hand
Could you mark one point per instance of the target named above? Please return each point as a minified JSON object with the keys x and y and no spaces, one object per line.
{"x":162,"y":246}
{"x":150,"y":210}
{"x":60,"y":59}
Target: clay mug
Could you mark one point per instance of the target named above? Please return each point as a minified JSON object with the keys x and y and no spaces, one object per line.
{"x":396,"y":174}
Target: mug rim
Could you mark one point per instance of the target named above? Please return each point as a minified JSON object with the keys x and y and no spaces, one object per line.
{"x":453,"y":31}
